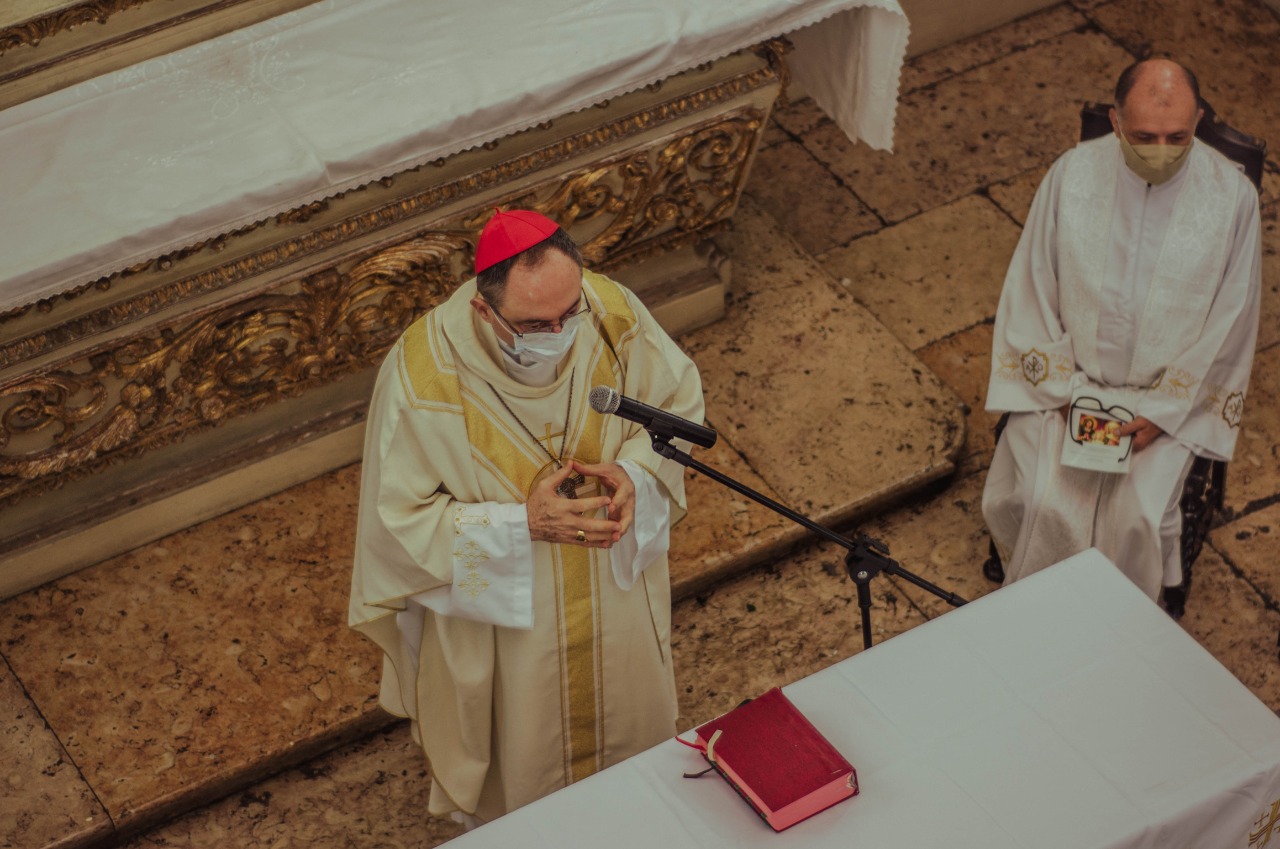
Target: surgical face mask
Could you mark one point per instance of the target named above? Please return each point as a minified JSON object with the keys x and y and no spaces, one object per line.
{"x":1155,"y":163}
{"x":545,"y":347}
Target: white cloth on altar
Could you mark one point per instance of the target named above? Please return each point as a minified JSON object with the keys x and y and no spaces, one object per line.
{"x":164,"y":154}
{"x":1144,"y":249}
{"x":1102,"y":725}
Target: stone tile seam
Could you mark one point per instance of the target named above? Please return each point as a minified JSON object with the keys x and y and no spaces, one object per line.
{"x":62,"y":746}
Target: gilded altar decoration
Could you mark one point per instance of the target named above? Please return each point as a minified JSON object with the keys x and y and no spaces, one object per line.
{"x":641,"y":203}
{"x":151,"y":390}
{"x":169,"y":291}
{"x":32,"y":32}
{"x":188,"y":373}
{"x":774,"y":51}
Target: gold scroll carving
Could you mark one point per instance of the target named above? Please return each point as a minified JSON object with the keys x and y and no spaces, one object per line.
{"x":35,"y":30}
{"x":100,"y":407}
{"x":151,"y":390}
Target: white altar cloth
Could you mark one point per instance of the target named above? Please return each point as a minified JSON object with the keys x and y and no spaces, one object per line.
{"x":161,"y":155}
{"x":1065,"y":711}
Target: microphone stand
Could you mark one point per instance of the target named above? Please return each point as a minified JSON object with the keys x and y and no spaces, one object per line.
{"x":866,"y":558}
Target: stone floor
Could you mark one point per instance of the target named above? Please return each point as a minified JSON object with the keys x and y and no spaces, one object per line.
{"x":866,"y":283}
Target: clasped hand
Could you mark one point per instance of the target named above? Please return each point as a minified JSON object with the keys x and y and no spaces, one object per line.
{"x":554,"y":518}
{"x":1144,"y":432}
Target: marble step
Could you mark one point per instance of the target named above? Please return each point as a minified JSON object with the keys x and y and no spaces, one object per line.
{"x":165,"y":678}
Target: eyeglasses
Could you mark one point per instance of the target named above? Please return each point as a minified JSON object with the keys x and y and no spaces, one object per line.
{"x":584,"y":306}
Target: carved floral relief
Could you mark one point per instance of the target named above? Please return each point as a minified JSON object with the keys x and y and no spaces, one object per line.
{"x":195,"y":371}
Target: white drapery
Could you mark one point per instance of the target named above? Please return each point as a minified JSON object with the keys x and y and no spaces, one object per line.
{"x":1066,"y":711}
{"x":161,"y":155}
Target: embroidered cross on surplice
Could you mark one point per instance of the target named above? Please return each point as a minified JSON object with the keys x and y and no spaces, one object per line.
{"x":472,"y":555}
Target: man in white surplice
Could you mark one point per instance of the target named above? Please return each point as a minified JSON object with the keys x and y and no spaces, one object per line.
{"x":511,"y":544}
{"x":1137,"y":278}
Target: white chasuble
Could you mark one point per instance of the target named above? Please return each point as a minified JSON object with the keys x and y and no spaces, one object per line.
{"x":1151,"y":292}
{"x":508,"y":714}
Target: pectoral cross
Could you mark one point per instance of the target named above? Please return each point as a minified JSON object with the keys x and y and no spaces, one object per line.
{"x":568,"y":487}
{"x":550,"y":436}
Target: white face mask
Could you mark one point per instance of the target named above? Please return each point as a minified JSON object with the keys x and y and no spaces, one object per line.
{"x":545,"y":347}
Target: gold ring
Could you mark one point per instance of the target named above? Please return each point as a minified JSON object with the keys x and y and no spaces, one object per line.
{"x":582,"y":536}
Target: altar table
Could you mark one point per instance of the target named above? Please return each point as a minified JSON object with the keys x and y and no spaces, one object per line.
{"x":1065,"y":711}
{"x":340,"y":93}
{"x":205,"y":256}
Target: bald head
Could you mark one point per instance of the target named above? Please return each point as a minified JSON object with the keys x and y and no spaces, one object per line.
{"x":1159,"y":79}
{"x":1157,"y":102}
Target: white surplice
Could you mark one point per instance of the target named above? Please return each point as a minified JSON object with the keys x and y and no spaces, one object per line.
{"x":1150,"y":291}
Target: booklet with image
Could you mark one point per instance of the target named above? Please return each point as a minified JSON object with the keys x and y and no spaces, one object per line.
{"x":1092,"y":439}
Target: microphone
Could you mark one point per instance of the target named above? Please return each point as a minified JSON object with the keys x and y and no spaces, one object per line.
{"x":605,"y":399}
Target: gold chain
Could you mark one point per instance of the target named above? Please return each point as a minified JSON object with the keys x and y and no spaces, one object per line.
{"x":568,"y":488}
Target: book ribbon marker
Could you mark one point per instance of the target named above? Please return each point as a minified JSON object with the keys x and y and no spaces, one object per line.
{"x":709,"y":750}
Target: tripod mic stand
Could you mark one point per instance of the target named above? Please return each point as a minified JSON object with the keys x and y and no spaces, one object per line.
{"x":866,"y":558}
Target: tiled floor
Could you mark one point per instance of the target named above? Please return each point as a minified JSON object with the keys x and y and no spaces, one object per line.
{"x":918,"y":241}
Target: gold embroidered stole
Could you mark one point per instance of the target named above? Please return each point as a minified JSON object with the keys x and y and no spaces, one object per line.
{"x":577,"y":588}
{"x":501,"y":447}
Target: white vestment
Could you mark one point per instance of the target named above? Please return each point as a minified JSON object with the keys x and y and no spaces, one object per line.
{"x":1150,"y":291}
{"x":524,"y":666}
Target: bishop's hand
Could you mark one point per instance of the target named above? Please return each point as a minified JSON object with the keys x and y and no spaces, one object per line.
{"x":622,"y":491}
{"x":554,"y":518}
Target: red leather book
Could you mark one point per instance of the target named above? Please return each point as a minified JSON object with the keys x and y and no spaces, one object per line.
{"x":777,"y":761}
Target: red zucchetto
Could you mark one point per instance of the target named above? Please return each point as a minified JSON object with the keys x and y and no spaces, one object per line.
{"x":509,"y":233}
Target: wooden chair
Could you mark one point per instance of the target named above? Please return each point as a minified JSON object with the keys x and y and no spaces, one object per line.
{"x":1202,"y":495}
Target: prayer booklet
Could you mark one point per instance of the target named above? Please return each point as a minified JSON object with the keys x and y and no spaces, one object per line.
{"x":1092,"y":439}
{"x":777,"y":761}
